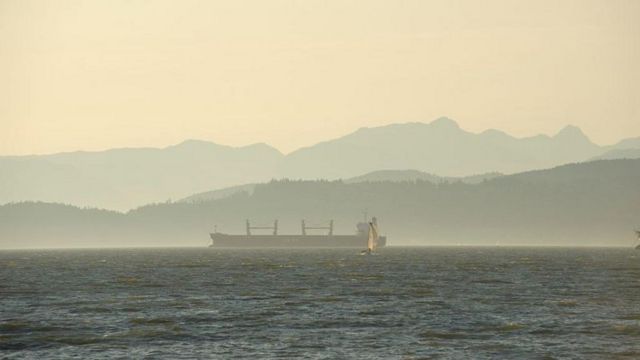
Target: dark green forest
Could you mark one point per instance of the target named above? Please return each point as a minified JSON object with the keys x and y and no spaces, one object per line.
{"x":595,"y":203}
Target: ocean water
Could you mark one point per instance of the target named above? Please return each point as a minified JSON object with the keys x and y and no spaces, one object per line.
{"x":404,"y":303}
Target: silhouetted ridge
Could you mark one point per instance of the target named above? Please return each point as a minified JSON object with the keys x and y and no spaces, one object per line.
{"x":129,"y":177}
{"x":595,"y":203}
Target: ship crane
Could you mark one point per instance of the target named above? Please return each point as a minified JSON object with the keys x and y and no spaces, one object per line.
{"x":329,"y":228}
{"x":274,"y":227}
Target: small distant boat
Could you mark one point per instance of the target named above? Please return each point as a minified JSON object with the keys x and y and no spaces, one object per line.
{"x":638,"y":245}
{"x":372,"y":241}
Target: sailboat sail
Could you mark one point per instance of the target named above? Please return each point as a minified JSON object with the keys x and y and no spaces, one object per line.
{"x":373,"y":237}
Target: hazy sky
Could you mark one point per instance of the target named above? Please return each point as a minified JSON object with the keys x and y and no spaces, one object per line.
{"x":99,"y":74}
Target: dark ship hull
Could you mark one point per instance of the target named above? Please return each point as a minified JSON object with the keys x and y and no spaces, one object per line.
{"x":220,"y":240}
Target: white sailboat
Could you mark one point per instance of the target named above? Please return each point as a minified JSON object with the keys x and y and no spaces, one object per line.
{"x":638,"y":245}
{"x":372,"y":241}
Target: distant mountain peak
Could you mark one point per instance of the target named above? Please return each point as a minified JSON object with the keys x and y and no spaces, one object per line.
{"x":493,"y":133}
{"x":444,"y":122}
{"x":194,"y":142}
{"x":571,"y":131}
{"x":261,"y":146}
{"x":629,"y":143}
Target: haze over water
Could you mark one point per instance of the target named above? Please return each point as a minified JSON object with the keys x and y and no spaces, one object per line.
{"x":403,"y":303}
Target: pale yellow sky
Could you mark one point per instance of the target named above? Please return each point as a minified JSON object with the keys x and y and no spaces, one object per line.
{"x":92,"y":75}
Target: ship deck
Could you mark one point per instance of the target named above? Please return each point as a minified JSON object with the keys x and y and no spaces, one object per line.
{"x":220,"y":240}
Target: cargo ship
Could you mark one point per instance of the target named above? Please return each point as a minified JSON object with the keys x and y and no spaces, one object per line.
{"x":359,"y":239}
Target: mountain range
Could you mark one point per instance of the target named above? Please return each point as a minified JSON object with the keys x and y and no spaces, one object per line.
{"x":591,"y":203}
{"x":125,"y":178}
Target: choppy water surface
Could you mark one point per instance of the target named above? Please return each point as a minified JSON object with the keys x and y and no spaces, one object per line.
{"x":402,"y":303}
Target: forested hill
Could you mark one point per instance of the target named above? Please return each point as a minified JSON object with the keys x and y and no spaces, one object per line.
{"x":595,"y":203}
